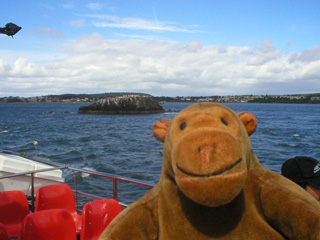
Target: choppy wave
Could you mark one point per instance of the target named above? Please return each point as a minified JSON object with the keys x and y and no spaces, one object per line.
{"x":84,"y":175}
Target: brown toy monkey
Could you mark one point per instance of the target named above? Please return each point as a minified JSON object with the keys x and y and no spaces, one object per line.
{"x":212,"y":186}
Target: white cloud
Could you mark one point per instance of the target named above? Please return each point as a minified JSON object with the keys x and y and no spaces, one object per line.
{"x":93,"y":64}
{"x":3,"y":66}
{"x":67,"y":5}
{"x":141,"y":37}
{"x":46,"y":6}
{"x":94,"y":6}
{"x":136,"y":23}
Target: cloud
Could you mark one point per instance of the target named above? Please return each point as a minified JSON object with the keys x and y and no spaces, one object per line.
{"x":309,"y":55}
{"x":67,"y":5}
{"x":46,"y":6}
{"x":93,"y":64}
{"x":136,"y":24}
{"x":77,"y":23}
{"x":3,"y":66}
{"x":47,"y":31}
{"x":141,"y":37}
{"x":95,"y":6}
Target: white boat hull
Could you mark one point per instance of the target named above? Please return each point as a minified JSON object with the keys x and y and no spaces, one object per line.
{"x":12,"y":164}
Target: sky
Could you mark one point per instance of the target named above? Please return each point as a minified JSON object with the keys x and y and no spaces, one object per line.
{"x":160,"y":47}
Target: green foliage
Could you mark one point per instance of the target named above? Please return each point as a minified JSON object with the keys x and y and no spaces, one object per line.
{"x":270,"y":99}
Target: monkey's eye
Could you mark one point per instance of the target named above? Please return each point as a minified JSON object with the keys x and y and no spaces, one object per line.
{"x":183,"y":125}
{"x":224,"y":121}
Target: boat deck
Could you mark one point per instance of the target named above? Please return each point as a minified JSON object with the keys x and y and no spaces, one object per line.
{"x":92,"y":199}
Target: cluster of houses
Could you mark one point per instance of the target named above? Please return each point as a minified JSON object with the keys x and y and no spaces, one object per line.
{"x":245,"y":98}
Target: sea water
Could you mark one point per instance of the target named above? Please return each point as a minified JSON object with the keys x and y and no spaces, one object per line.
{"x":124,"y":144}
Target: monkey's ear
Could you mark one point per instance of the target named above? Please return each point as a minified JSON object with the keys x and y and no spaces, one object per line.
{"x":160,"y":128}
{"x":249,"y":121}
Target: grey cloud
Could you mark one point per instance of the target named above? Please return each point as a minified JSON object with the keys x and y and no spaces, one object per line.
{"x":47,"y":31}
{"x":77,"y":23}
{"x":309,"y":55}
{"x":266,"y":53}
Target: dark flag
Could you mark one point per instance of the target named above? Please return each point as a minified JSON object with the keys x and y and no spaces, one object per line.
{"x":10,"y":29}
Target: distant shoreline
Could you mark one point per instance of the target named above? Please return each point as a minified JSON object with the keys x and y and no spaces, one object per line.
{"x":91,"y":98}
{"x":163,"y":103}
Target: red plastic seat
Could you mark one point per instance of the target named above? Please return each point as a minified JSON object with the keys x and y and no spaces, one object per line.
{"x":13,"y":208}
{"x":52,"y":224}
{"x":3,"y":232}
{"x":58,"y":196}
{"x":96,"y":216}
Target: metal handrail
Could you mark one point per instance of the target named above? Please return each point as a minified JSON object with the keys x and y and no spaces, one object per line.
{"x":96,"y":173}
{"x":30,"y":172}
{"x":56,"y":166}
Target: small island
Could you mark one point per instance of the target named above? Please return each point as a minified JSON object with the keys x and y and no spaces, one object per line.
{"x":123,"y":105}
